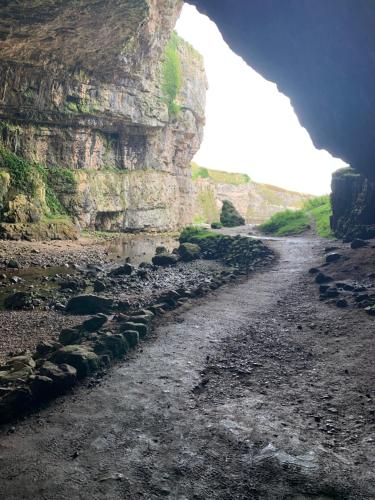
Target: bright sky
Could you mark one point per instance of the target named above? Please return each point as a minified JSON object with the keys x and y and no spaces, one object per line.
{"x":250,"y":126}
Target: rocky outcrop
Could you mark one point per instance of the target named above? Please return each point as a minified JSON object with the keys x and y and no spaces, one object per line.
{"x":80,"y":90}
{"x":254,"y":201}
{"x":353,"y":205}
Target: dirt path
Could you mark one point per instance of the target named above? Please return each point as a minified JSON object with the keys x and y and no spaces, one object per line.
{"x":258,"y":392}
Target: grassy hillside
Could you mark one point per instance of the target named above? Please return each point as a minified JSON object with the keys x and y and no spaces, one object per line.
{"x":218,"y":176}
{"x":316,"y":212}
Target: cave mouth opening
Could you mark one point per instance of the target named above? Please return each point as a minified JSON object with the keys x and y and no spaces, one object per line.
{"x":251,"y":127}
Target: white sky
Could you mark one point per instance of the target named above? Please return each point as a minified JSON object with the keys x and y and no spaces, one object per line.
{"x":250,"y":126}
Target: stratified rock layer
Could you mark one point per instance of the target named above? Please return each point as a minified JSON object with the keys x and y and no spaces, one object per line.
{"x":82,"y":88}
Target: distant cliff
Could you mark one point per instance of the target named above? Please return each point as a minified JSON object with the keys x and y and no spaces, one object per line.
{"x":109,"y":140}
{"x":254,"y":201}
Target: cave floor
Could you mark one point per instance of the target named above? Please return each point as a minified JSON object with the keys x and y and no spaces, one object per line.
{"x":258,"y":391}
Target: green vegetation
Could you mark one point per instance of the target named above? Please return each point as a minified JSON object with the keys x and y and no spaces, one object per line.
{"x":316,"y":211}
{"x":172,"y":74}
{"x":218,"y":176}
{"x":28,"y":177}
{"x":229,"y":216}
{"x":286,"y":223}
{"x":216,"y":225}
{"x":320,"y":210}
{"x":192,"y":234}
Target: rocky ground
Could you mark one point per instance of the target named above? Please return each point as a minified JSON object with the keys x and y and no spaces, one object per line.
{"x":50,"y":273}
{"x":259,"y":391}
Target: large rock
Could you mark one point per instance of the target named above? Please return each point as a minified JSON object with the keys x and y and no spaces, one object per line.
{"x":89,"y":304}
{"x":189,"y":251}
{"x":81,"y":357}
{"x":165,"y":259}
{"x":63,"y":376}
{"x":229,"y":216}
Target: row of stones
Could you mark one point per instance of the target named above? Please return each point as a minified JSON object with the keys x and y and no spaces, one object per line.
{"x":28,"y":380}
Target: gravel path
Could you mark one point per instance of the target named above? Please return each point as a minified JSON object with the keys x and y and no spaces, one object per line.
{"x":256,"y":392}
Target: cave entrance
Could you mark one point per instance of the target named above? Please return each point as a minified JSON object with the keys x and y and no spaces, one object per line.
{"x":251,"y":128}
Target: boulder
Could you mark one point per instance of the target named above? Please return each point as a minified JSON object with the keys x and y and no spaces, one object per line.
{"x":116,"y":344}
{"x":19,"y":301}
{"x":89,"y":304}
{"x":63,"y":376}
{"x":42,"y":387}
{"x":81,"y":357}
{"x":141,"y":328}
{"x":95,"y":323}
{"x":70,"y":336}
{"x":131,"y":336}
{"x":13,"y":401}
{"x":45,"y":348}
{"x":125,"y":270}
{"x":189,"y":251}
{"x":229,"y":216}
{"x":165,"y":259}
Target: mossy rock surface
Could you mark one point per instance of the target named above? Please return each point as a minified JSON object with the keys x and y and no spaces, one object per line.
{"x":229,"y":216}
{"x":189,"y":251}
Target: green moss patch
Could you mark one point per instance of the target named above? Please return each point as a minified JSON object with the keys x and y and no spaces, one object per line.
{"x":172,"y":75}
{"x":29,"y":178}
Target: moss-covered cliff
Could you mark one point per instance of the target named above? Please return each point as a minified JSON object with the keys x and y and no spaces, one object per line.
{"x":255,"y":202}
{"x":126,"y":128}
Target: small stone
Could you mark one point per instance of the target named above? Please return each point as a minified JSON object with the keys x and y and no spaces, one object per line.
{"x":13,"y":264}
{"x":333,"y":257}
{"x":341,"y":303}
{"x":314,"y":270}
{"x":322,"y":278}
{"x":358,"y":243}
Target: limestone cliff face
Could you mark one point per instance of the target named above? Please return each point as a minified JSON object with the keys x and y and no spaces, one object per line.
{"x":254,"y":201}
{"x":353,"y":204}
{"x":102,"y":110}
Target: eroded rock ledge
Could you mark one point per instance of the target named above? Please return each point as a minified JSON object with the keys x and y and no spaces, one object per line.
{"x":108,"y":112}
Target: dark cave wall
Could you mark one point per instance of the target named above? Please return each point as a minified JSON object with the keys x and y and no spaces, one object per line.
{"x":353,"y":205}
{"x":321,"y":54}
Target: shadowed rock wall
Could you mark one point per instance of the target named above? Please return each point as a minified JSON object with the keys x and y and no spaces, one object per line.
{"x":353,"y":205}
{"x":321,"y":54}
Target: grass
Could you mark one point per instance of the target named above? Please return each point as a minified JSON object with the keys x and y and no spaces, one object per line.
{"x":286,"y":223}
{"x":191,"y":234}
{"x":172,"y":75}
{"x":316,"y":211}
{"x":218,"y":176}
